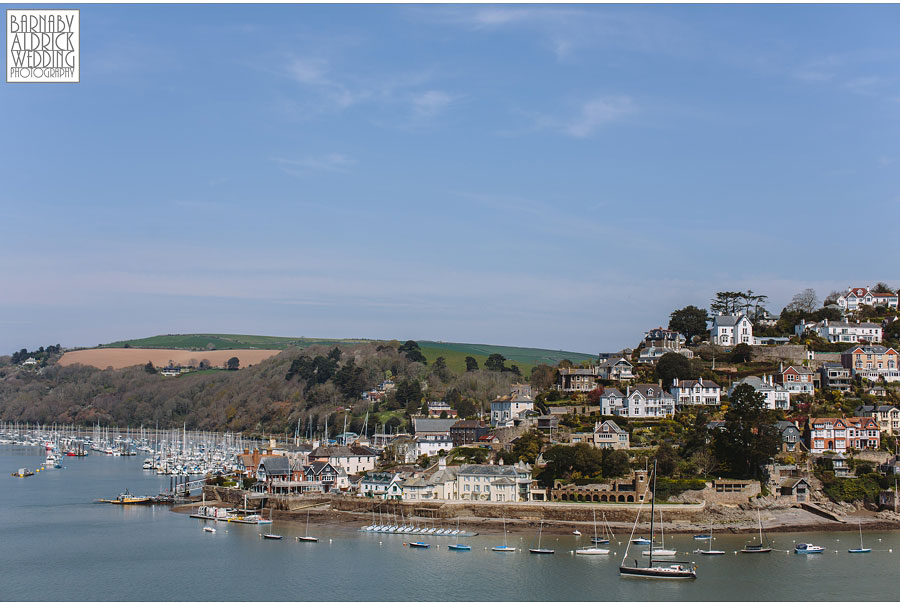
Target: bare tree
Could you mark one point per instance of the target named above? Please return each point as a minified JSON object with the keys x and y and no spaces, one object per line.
{"x":805,"y":301}
{"x":831,"y":298}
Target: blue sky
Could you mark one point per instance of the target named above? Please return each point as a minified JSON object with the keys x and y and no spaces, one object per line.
{"x":547,"y":176}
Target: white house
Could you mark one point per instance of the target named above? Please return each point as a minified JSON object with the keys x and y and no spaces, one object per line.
{"x":505,"y":410}
{"x":776,"y":396}
{"x":495,"y":483}
{"x":647,"y":400}
{"x":611,"y":401}
{"x":432,"y":445}
{"x":731,"y":329}
{"x":842,"y":332}
{"x":690,"y":392}
{"x":381,"y":484}
{"x":352,"y":459}
{"x":863,"y":296}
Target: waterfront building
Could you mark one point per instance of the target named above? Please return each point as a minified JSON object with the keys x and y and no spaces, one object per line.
{"x":495,"y":483}
{"x":624,"y":490}
{"x":353,"y":459}
{"x":381,"y":484}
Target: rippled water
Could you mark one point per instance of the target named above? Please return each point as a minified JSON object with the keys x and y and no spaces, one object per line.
{"x":56,"y":544}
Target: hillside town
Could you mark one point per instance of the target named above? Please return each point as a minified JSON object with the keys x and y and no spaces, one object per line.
{"x":737,"y":406}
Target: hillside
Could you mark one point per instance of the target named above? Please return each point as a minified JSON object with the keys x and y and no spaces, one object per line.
{"x":454,"y":353}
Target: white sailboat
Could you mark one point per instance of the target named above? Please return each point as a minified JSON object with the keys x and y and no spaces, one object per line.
{"x":593,"y":550}
{"x":710,"y":550}
{"x":661,"y":550}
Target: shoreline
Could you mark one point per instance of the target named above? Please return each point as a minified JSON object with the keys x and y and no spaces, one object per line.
{"x":784,"y":520}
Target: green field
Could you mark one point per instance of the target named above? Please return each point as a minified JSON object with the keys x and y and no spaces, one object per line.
{"x":454,"y":353}
{"x":225,"y":342}
{"x":524,"y":358}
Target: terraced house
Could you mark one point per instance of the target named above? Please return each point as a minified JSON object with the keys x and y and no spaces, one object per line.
{"x":495,"y":483}
{"x":841,"y":434}
{"x":842,"y":332}
{"x":872,"y":362}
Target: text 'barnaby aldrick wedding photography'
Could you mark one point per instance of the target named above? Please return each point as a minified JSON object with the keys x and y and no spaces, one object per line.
{"x":42,"y":46}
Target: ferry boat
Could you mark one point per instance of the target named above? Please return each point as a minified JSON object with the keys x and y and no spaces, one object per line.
{"x":808,"y":549}
{"x":128,"y":499}
{"x":22,"y":472}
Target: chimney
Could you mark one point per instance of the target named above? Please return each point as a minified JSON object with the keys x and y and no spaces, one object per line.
{"x":675,"y":382}
{"x":700,"y":381}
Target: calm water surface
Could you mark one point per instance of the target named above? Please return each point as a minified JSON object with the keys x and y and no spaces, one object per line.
{"x":56,"y":544}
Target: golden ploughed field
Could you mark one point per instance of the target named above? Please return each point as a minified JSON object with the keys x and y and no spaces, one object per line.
{"x":121,"y":357}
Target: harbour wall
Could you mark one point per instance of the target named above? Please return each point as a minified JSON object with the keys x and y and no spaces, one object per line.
{"x":464,"y":509}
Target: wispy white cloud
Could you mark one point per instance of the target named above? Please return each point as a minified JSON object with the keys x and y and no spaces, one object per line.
{"x":331,"y":162}
{"x":589,"y":116}
{"x":334,"y":90}
{"x":866,"y":85}
{"x":430,"y":103}
{"x":564,"y":30}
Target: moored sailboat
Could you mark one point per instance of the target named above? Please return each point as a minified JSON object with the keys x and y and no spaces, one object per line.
{"x":861,"y":548}
{"x":539,"y":550}
{"x":757,"y":548}
{"x":673,"y":571}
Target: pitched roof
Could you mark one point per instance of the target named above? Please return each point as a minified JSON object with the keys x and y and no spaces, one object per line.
{"x":276,"y":465}
{"x":426,"y":424}
{"x":727,"y":320}
{"x":341,"y":451}
{"x":800,"y":370}
{"x":611,"y":391}
{"x":644,"y":389}
{"x":487,"y":470}
{"x":467,"y":424}
{"x":688,"y":383}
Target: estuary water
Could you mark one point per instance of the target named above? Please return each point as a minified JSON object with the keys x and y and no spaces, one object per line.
{"x":57,"y":544}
